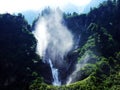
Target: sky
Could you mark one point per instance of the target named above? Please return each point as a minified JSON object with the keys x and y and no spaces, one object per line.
{"x":31,"y":8}
{"x":15,"y":6}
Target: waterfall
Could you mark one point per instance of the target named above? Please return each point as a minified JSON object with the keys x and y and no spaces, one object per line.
{"x":55,"y":75}
{"x":54,"y":41}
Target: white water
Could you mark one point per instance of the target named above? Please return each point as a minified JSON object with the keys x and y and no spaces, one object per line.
{"x":55,"y":75}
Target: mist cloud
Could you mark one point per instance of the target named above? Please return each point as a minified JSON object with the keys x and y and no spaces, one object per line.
{"x":54,"y":39}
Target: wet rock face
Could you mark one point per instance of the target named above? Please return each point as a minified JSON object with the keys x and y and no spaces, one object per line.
{"x":43,"y":69}
{"x":64,"y":69}
{"x":70,"y":61}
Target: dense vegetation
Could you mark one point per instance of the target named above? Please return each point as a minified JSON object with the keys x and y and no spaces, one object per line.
{"x":18,"y":61}
{"x":22,"y":69}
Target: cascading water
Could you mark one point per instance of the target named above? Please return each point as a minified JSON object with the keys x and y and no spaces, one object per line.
{"x":54,"y":41}
{"x":55,"y":74}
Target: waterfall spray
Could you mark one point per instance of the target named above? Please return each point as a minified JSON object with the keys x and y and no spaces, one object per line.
{"x":75,"y":75}
{"x":54,"y":41}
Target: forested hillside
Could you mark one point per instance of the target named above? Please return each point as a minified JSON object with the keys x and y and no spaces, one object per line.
{"x":99,"y":32}
{"x":18,"y":60}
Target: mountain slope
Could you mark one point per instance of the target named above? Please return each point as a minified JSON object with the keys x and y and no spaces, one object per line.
{"x":99,"y":31}
{"x":97,"y":58}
